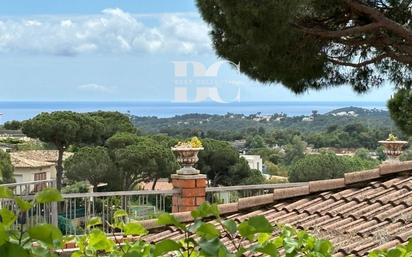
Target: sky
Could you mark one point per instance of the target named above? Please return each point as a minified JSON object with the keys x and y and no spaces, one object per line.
{"x":126,"y":50}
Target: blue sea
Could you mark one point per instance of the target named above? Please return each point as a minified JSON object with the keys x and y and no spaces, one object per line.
{"x":25,"y":110}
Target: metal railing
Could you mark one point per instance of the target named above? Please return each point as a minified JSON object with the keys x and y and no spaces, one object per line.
{"x":40,"y":213}
{"x":30,"y":187}
{"x":230,"y":194}
{"x":76,"y":208}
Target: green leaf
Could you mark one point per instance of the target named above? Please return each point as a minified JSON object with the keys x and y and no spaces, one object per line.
{"x":5,"y":192}
{"x":8,"y":217}
{"x":99,"y":241}
{"x":4,"y":237}
{"x":290,"y":245}
{"x":260,"y":224}
{"x":324,"y":246}
{"x":207,"y":231}
{"x":46,"y":233}
{"x":168,"y":219}
{"x":278,"y":242}
{"x":246,"y":231}
{"x":211,"y":247}
{"x":269,"y":249}
{"x":94,"y":221}
{"x":396,"y":252}
{"x":120,"y":213}
{"x":263,"y":238}
{"x":134,"y":229}
{"x":48,"y":195}
{"x":230,"y":226}
{"x":165,"y":246}
{"x":408,"y":247}
{"x":205,"y":210}
{"x":23,"y":205}
{"x":13,"y":250}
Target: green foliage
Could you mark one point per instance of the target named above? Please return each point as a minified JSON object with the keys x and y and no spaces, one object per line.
{"x":90,"y":163}
{"x":143,"y":161}
{"x":121,"y":140}
{"x":400,"y":107}
{"x":294,"y":151}
{"x":76,"y":187}
{"x":380,"y":153}
{"x":12,"y":125}
{"x":113,"y":122}
{"x":6,"y":168}
{"x":363,"y":153}
{"x":406,"y":155}
{"x":303,"y":44}
{"x":63,"y":129}
{"x":222,"y":165}
{"x":326,"y":166}
{"x":255,"y":142}
{"x":275,"y":170}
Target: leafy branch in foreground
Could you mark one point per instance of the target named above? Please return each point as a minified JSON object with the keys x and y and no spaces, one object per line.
{"x":202,"y":237}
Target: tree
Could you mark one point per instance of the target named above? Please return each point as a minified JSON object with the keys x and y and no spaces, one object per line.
{"x":326,"y":166}
{"x":314,"y":44}
{"x":363,"y":153}
{"x":406,"y":155}
{"x":12,"y":125}
{"x":223,"y":165}
{"x":6,"y":168}
{"x":113,"y":122}
{"x":400,"y":107}
{"x":63,"y":129}
{"x":121,"y":140}
{"x":275,"y":170}
{"x":92,"y":164}
{"x":380,"y":153}
{"x":295,"y":150}
{"x":256,"y":141}
{"x":144,"y":161}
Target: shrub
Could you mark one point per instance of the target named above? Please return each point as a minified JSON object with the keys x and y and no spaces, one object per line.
{"x":326,"y":166}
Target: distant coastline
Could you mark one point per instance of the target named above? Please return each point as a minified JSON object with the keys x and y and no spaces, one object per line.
{"x":19,"y":110}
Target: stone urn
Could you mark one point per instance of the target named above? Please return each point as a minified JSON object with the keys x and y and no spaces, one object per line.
{"x":393,"y":148}
{"x":187,"y":157}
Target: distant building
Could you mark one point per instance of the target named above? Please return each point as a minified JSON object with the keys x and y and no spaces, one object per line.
{"x":255,"y":161}
{"x":309,"y":118}
{"x":35,"y":165}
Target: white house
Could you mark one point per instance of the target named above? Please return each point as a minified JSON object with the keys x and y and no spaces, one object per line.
{"x":255,"y":161}
{"x":35,"y":165}
{"x":26,"y":170}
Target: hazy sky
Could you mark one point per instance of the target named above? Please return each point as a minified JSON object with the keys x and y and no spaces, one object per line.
{"x":123,"y":50}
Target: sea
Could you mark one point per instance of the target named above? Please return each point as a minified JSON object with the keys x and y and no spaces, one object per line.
{"x":25,"y":110}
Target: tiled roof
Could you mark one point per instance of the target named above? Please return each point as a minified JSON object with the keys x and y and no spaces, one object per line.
{"x":40,"y":155}
{"x":361,"y":212}
{"x":161,"y":184}
{"x":20,"y":162}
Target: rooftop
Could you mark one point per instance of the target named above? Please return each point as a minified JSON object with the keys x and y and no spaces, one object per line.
{"x":358,"y":213}
{"x":40,"y":155}
{"x":20,"y":162}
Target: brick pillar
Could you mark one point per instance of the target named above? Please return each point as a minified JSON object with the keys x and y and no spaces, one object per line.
{"x":192,"y":192}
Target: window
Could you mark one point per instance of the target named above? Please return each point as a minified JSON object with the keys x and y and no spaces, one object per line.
{"x":40,"y":176}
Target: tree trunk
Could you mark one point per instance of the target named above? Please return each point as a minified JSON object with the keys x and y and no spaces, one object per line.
{"x":154,"y":183}
{"x":59,"y":169}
